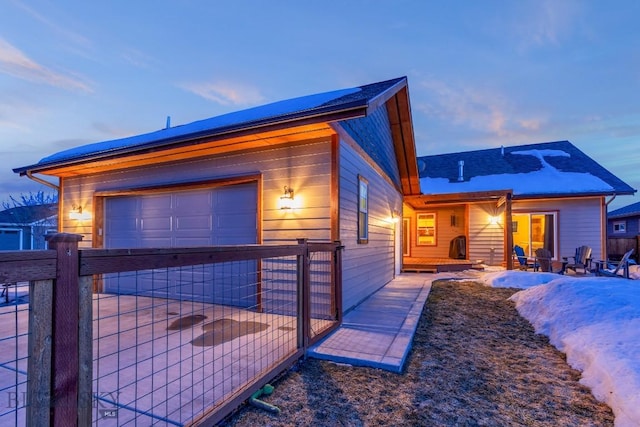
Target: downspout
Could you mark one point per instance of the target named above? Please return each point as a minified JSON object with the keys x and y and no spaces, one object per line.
{"x":29,"y":175}
{"x":612,"y":199}
{"x":606,"y":227}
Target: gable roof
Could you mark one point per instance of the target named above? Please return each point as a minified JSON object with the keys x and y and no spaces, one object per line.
{"x":319,"y":108}
{"x":550,"y":169}
{"x":625,"y":211}
{"x":23,"y":215}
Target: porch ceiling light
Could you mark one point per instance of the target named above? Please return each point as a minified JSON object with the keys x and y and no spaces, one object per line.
{"x":286,"y":200}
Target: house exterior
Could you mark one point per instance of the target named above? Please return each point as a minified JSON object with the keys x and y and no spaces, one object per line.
{"x":24,"y":227}
{"x":623,"y":232}
{"x":343,"y":159}
{"x":549,"y":195}
{"x":624,"y":222}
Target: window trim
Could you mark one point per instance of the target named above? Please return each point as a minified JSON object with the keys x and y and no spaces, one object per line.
{"x":556,"y":227}
{"x":363,"y":210}
{"x":620,"y":230}
{"x":426,"y":229}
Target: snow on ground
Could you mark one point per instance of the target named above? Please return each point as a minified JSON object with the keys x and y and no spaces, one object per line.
{"x":595,"y":321}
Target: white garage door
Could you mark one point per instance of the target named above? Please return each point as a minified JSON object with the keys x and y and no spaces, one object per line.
{"x":219,"y":216}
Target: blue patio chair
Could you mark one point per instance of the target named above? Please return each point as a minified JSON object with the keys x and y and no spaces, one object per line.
{"x":523,"y":262}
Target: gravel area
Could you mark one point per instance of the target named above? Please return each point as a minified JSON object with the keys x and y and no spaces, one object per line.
{"x":474,"y":362}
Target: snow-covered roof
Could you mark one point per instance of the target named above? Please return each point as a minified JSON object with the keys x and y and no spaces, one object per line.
{"x":533,"y":170}
{"x":327,"y":106}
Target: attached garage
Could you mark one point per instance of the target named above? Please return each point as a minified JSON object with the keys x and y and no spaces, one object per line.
{"x":225,"y":215}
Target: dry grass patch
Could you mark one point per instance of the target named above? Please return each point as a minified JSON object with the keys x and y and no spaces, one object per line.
{"x":475,"y":362}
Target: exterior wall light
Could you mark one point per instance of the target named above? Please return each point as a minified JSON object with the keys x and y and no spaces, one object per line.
{"x":286,"y":200}
{"x":76,"y":213}
{"x":494,"y":220}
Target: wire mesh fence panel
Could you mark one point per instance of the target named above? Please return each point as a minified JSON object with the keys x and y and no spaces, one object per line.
{"x":14,"y":354}
{"x":172,"y":344}
{"x":322,"y":291}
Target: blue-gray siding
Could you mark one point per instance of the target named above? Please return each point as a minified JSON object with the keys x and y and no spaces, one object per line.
{"x":369,"y":266}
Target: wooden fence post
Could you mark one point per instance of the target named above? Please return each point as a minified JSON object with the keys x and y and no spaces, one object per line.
{"x":39,"y":363}
{"x":337,"y":277}
{"x":65,"y":344}
{"x":304,"y":296}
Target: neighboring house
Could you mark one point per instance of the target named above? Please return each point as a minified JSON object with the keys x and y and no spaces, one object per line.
{"x":549,"y":195}
{"x":623,"y":232}
{"x":624,"y":222}
{"x":347,"y":157}
{"x":24,"y":227}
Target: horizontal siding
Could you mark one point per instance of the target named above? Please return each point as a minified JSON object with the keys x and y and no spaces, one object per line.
{"x":304,"y":167}
{"x":366,"y":267}
{"x":579,"y":223}
{"x":486,"y":240}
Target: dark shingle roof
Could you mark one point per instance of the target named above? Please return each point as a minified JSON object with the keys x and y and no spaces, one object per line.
{"x":626,"y":211}
{"x":510,"y":166}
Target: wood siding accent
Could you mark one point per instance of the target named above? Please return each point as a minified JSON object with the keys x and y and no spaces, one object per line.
{"x":202,"y":148}
{"x":366,"y":267}
{"x":304,"y":167}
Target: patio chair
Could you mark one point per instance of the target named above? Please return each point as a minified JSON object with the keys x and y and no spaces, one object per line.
{"x":545,"y":261}
{"x":605,"y":268}
{"x":581,"y":260}
{"x":523,"y":262}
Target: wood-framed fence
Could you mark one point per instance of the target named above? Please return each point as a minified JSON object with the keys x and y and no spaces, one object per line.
{"x":61,"y":346}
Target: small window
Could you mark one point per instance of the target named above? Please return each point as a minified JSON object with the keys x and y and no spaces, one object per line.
{"x":620,"y":227}
{"x":426,"y":229}
{"x":363,"y":210}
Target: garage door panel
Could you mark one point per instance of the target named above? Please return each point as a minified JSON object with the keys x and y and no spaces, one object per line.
{"x":201,"y":223}
{"x":158,"y":202}
{"x":193,"y":202}
{"x":161,"y":224}
{"x":218,"y":216}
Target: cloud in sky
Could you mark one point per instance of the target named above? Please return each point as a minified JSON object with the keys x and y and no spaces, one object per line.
{"x":15,"y":63}
{"x":74,"y":37}
{"x":225,"y":92}
{"x":474,"y":108}
{"x":548,"y":22}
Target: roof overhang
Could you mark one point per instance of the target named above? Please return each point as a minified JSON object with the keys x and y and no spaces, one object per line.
{"x":216,"y":140}
{"x":428,"y":200}
{"x":399,"y":111}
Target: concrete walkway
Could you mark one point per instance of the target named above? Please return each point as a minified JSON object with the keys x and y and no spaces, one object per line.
{"x":378,"y":333}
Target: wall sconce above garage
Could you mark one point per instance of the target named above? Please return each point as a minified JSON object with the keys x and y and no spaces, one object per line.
{"x":286,"y":200}
{"x":77,"y":214}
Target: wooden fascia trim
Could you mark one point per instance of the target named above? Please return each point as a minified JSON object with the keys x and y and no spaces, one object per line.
{"x":399,"y":113}
{"x":434,"y":199}
{"x":196,"y":148}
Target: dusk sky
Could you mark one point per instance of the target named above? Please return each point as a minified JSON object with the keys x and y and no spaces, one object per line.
{"x":481,"y":73}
